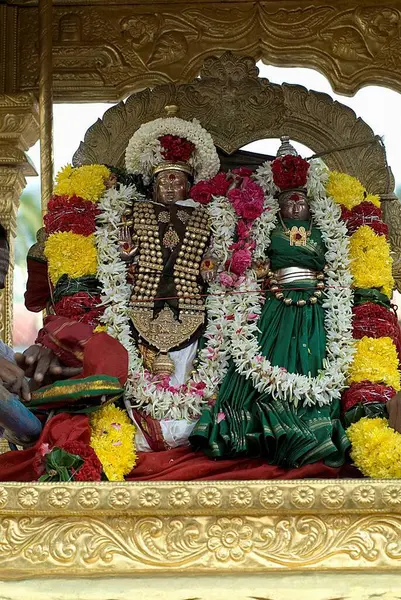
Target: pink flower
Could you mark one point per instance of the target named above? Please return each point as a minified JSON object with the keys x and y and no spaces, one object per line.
{"x":239,"y":281}
{"x":240,"y":261}
{"x":230,"y":318}
{"x":44,"y":449}
{"x":220,"y":417}
{"x":259,"y":358}
{"x":119,"y":443}
{"x":226,"y":279}
{"x":242,"y":171}
{"x":219,"y":184}
{"x":247,"y":200}
{"x":242,"y":230}
{"x":201,"y":192}
{"x":253,"y":317}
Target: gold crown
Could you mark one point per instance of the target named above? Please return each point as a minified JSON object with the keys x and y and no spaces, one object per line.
{"x":170,"y":166}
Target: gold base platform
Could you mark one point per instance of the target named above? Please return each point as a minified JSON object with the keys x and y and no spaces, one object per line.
{"x":180,"y":529}
{"x":310,"y":586}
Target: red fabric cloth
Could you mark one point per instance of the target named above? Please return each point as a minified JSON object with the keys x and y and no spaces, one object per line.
{"x":183,"y":464}
{"x":19,"y":464}
{"x":104,"y":355}
{"x":66,"y":338}
{"x":37,"y":292}
{"x":179,"y":464}
{"x":76,"y":345}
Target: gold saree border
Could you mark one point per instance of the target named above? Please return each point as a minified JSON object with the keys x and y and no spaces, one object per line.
{"x":103,"y":529}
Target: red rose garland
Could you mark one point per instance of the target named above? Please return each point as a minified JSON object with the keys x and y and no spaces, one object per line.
{"x":375,"y":321}
{"x":365,"y":213}
{"x":82,"y":307}
{"x":91,"y":470}
{"x":247,"y":200}
{"x":366,"y":392}
{"x":70,"y":214}
{"x":290,"y":172}
{"x":175,"y":148}
{"x":203,"y":191}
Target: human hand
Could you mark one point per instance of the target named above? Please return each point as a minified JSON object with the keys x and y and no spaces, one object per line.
{"x":13,"y":379}
{"x":39,"y":362}
{"x":208,"y":268}
{"x":394,"y":412}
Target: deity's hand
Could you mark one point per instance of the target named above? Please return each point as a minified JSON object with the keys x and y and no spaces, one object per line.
{"x":261,"y":268}
{"x":208,"y":268}
{"x":128,"y":244}
{"x":394,"y":412}
{"x":41,"y":363}
{"x":13,"y":379}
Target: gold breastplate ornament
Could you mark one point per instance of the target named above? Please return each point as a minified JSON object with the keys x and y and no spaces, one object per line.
{"x":165,"y":332}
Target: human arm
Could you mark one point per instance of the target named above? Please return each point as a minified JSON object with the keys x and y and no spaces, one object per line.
{"x":13,"y":379}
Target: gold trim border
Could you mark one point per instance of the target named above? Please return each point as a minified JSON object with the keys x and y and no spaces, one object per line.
{"x":103,"y":529}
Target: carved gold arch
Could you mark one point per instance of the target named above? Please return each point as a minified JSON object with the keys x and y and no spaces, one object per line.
{"x":237,"y":107}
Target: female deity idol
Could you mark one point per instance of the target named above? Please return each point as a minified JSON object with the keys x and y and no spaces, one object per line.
{"x":252,"y":417}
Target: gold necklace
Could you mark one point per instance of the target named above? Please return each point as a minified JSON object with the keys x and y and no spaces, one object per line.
{"x":298,"y":235}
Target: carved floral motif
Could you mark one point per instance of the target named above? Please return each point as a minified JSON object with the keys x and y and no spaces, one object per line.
{"x":350,"y":43}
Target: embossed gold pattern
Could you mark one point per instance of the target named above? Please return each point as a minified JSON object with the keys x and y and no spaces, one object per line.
{"x":82,"y":529}
{"x":18,"y":131}
{"x":309,"y":117}
{"x":353,"y":43}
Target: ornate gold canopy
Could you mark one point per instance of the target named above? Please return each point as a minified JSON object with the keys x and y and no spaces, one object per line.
{"x":237,"y":107}
{"x":341,"y":538}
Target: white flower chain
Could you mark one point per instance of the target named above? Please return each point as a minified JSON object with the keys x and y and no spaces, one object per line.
{"x":140,"y":391}
{"x":144,"y":150}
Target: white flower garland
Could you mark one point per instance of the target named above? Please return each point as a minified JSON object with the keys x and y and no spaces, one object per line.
{"x":243,"y":307}
{"x":144,"y":150}
{"x":232,"y":317}
{"x":185,"y":402}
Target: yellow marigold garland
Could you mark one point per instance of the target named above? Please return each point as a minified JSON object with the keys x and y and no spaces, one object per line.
{"x":375,"y":360}
{"x":371,"y":263}
{"x":374,"y":199}
{"x":87,"y":182}
{"x":345,"y":189}
{"x":70,"y":254}
{"x":376,"y":448}
{"x":112,"y":438}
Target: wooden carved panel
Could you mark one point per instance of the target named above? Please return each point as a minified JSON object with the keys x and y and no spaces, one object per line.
{"x":105,"y":51}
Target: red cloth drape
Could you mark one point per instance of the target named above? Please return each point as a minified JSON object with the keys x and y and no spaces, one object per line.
{"x":37,"y":292}
{"x":183,"y":464}
{"x":180,"y":464}
{"x":18,"y":465}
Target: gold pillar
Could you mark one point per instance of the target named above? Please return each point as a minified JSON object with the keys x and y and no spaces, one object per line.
{"x":18,"y":132}
{"x":46,"y":100}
